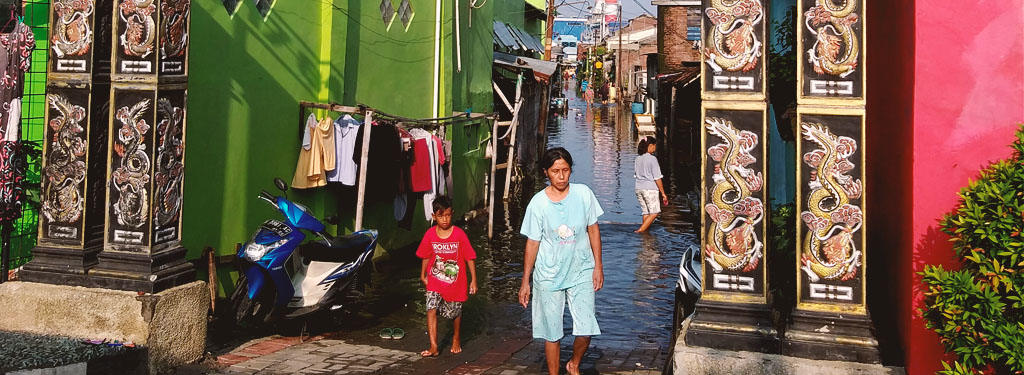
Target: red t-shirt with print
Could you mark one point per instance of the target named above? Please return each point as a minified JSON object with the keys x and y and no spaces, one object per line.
{"x":446,"y":273}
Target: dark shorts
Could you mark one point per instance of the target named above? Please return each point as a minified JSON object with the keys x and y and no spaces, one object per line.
{"x":447,"y":309}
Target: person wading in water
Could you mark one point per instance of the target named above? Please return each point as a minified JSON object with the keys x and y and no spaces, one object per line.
{"x":562,"y":259}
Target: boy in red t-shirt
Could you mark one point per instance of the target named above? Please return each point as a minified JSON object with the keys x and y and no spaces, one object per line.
{"x":444,"y":249}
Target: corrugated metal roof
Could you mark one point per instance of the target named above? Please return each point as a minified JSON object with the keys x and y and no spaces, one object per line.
{"x":541,"y":69}
{"x":684,"y":77}
{"x":522,"y":39}
{"x":528,"y":40}
{"x":503,"y":36}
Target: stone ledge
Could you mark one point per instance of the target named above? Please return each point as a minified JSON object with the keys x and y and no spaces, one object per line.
{"x":170,"y":324}
{"x":688,"y":360}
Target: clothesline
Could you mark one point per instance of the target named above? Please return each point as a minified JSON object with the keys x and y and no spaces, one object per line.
{"x":425,"y":123}
{"x":399,"y":122}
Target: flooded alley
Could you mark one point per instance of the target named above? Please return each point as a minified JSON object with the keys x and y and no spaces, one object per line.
{"x":634,"y":308}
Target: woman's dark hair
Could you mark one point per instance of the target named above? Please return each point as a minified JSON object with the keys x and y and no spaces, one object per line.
{"x":641,"y":148}
{"x":552,"y":155}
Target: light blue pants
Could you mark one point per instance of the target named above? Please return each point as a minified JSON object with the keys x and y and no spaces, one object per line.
{"x":549,"y":307}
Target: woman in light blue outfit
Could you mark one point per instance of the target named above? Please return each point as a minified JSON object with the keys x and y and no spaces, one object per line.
{"x":563,"y":256}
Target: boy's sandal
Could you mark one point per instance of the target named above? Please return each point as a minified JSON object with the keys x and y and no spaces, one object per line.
{"x":387,"y":333}
{"x":397,"y":333}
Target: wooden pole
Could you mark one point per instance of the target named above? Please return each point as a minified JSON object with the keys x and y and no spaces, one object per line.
{"x":618,"y":57}
{"x":490,"y":183}
{"x":512,"y":143}
{"x":547,"y":32}
{"x":501,"y":95}
{"x":364,"y":157}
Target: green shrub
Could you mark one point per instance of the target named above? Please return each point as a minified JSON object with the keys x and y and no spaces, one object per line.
{"x":978,"y":311}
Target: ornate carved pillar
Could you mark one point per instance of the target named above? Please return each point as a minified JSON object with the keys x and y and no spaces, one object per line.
{"x":142,"y":248}
{"x":74,"y":147}
{"x":733,"y":311}
{"x":831,"y":319}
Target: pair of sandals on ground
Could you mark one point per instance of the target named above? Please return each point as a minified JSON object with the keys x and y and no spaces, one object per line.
{"x":392,"y":333}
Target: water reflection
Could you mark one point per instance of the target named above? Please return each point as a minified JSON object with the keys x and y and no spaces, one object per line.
{"x":635,"y":306}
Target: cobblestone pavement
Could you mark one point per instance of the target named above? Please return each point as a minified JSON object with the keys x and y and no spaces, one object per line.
{"x":345,"y":354}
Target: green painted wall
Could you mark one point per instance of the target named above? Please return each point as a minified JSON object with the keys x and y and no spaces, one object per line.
{"x":247,"y":77}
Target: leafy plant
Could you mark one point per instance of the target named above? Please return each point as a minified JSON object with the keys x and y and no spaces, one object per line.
{"x":978,"y":311}
{"x":782,"y":275}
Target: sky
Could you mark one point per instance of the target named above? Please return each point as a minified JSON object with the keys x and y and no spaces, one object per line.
{"x":630,"y":8}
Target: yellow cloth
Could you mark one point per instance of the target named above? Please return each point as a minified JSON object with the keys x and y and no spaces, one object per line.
{"x":320,"y":157}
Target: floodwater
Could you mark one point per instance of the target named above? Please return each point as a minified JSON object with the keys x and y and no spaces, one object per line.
{"x":634,"y":309}
{"x":635,"y":306}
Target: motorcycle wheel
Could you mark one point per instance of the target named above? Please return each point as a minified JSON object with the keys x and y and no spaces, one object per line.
{"x":249,"y":312}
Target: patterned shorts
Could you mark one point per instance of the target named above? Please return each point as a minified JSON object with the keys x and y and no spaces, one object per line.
{"x":448,"y":310}
{"x":549,"y":311}
{"x":650,"y":201}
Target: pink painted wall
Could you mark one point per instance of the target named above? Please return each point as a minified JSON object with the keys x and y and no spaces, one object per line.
{"x":968,"y":97}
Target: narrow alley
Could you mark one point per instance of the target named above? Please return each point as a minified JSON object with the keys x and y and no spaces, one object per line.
{"x":634,"y":308}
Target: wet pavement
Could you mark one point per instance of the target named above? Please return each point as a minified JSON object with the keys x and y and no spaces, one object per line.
{"x":634,"y":309}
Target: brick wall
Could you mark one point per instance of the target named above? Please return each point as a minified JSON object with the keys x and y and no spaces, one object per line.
{"x":673,"y":47}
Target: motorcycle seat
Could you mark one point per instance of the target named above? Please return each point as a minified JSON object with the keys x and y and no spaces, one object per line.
{"x":340,"y":249}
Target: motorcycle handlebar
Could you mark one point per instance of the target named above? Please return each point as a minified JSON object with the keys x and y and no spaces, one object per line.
{"x":267,"y":197}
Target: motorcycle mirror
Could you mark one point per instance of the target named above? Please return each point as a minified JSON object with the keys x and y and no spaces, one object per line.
{"x":281,"y":185}
{"x":333,"y":220}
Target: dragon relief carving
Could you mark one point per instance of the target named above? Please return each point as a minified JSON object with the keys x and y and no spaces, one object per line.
{"x":829,"y":250}
{"x":65,"y":163}
{"x":732,"y":241}
{"x":72,"y":33}
{"x":832,"y":27}
{"x":130,"y":177}
{"x":174,"y":25}
{"x":140,"y":28}
{"x":733,"y":44}
{"x":169,"y":167}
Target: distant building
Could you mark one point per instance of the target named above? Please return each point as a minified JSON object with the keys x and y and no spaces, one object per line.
{"x":569,"y":26}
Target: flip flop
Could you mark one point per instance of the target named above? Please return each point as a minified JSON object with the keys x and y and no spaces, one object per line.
{"x":397,"y":333}
{"x":386,"y":333}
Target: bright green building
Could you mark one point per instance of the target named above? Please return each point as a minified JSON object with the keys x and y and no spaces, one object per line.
{"x":248,"y":75}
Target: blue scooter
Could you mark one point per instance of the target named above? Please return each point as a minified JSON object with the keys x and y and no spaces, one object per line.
{"x":283,"y":278}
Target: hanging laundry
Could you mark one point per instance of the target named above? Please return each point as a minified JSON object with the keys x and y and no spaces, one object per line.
{"x":317,"y":155}
{"x":15,"y":52}
{"x":322,"y":151}
{"x":419,"y":171}
{"x":426,"y":172}
{"x":385,"y":160}
{"x":300,"y":181}
{"x":345,"y":130}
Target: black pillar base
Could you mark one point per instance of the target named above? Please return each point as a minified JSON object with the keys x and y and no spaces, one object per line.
{"x":730,"y":326}
{"x":60,"y":266}
{"x":818,"y":335}
{"x":150,"y":273}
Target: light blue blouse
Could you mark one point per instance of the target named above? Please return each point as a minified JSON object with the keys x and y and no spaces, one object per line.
{"x":565,"y":255}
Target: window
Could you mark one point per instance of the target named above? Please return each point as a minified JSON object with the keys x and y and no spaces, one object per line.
{"x":693,"y":16}
{"x":405,"y":13}
{"x":387,"y":13}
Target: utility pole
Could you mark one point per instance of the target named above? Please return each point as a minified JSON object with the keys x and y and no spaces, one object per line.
{"x":550,"y":26}
{"x":618,"y":55}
